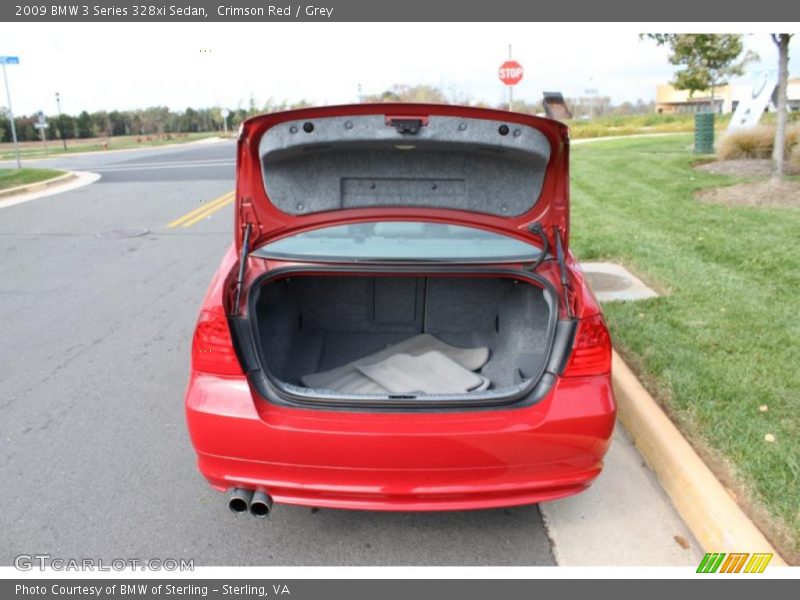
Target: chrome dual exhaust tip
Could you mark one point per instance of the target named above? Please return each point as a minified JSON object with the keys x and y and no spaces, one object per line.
{"x":261,"y":505}
{"x":258,"y":503}
{"x":239,"y":500}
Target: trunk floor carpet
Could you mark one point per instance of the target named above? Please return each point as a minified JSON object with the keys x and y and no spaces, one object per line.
{"x":399,"y":366}
{"x":429,"y":373}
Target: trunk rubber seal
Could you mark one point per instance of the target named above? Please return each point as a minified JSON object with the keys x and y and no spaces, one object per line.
{"x":281,"y":393}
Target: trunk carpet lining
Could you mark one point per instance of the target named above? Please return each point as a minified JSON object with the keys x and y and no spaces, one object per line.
{"x":428,"y":373}
{"x":422,"y":363}
{"x":308,"y":325}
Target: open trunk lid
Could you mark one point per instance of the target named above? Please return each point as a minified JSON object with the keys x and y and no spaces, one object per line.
{"x":304,"y":169}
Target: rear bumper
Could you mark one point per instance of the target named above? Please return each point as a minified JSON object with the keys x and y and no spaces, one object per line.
{"x":401,"y":461}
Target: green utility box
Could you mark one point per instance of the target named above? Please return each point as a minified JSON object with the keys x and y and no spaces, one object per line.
{"x":704,"y":133}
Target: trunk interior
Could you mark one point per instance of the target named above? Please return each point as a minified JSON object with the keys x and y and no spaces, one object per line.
{"x":311,"y":324}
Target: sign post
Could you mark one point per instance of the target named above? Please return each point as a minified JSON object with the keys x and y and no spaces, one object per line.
{"x":510,"y":74}
{"x":11,"y":60}
{"x":592,"y":93}
{"x":225,"y":114}
{"x":42,"y":126}
{"x":61,"y":122}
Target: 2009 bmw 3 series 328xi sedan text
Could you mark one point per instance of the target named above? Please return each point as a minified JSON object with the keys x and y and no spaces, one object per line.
{"x":399,"y":323}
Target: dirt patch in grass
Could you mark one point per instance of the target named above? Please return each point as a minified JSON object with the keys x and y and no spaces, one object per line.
{"x":773,"y":194}
{"x":743,"y":167}
{"x":740,"y":167}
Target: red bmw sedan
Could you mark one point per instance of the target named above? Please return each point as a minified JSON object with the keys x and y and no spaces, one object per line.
{"x":399,"y":323}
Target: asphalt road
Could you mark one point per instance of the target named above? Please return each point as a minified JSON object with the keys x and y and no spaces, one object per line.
{"x":96,"y":461}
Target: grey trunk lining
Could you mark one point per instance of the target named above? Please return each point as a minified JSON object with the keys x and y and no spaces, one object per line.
{"x":311,"y":324}
{"x":359,"y":162}
{"x":428,"y":373}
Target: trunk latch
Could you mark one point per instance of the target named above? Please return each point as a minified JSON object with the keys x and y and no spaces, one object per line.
{"x":406,"y":125}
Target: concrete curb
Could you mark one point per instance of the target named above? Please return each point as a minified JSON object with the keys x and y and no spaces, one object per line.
{"x":201,"y":141}
{"x":705,"y":506}
{"x":59,"y":185}
{"x":39,"y":185}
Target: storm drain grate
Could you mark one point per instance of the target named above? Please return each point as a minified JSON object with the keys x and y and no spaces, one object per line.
{"x":118,"y":234}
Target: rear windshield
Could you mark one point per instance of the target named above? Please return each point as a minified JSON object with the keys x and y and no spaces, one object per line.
{"x":390,"y":241}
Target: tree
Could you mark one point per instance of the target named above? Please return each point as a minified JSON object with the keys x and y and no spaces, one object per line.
{"x":26,"y":132}
{"x":118,"y":123}
{"x":779,"y":146}
{"x":409,"y":93}
{"x":530,"y":108}
{"x":83,"y":125}
{"x":708,"y":59}
{"x":137,"y":127}
{"x":67,"y":122}
{"x":101,"y":125}
{"x":190,"y":120}
{"x":154,"y":119}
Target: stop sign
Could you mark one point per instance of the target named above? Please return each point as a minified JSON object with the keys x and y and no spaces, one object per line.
{"x":510,"y":72}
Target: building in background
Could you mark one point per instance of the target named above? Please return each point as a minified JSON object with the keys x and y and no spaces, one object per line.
{"x":726,"y":97}
{"x":793,"y":92}
{"x":670,"y":100}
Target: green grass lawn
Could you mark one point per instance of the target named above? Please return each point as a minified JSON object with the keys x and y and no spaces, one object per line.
{"x":13,"y":177}
{"x":724,"y":339}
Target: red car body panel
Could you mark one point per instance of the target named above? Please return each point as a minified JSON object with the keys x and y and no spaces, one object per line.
{"x":395,"y":459}
{"x":401,"y":461}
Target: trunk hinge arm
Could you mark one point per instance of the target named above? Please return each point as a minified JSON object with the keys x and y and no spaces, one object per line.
{"x":539,"y":230}
{"x":242,"y":264}
{"x":248,"y":216}
{"x":562,"y":267}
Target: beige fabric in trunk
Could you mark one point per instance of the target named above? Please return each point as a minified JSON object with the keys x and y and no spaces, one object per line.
{"x":455,"y":366}
{"x":429,"y":373}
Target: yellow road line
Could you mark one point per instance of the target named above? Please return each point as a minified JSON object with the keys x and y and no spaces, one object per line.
{"x":202,"y":211}
{"x":208,"y":213}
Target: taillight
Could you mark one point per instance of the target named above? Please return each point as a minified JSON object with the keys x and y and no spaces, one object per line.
{"x":212,"y":346}
{"x":591,"y":354}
